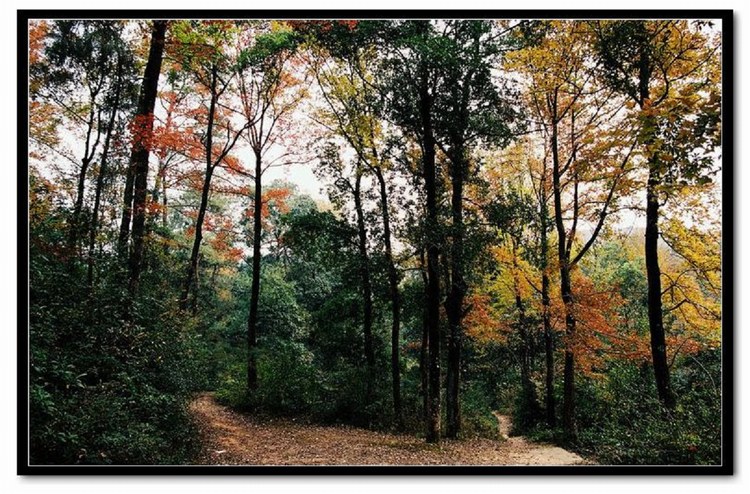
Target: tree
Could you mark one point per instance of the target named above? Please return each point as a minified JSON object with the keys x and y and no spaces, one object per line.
{"x":421,"y":124}
{"x":539,"y":174}
{"x":406,"y":79}
{"x":352,"y":112}
{"x":75,"y":76}
{"x":512,"y":212}
{"x":348,"y":185}
{"x":589,"y":149}
{"x":143,"y":125}
{"x":203,"y":50}
{"x":467,"y":52}
{"x":270,"y":92}
{"x":121,"y":97}
{"x":175,"y":144}
{"x":669,"y":69}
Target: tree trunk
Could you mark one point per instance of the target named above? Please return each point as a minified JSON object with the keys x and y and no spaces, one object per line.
{"x":194,"y":253}
{"x":569,"y":424}
{"x":653,"y":272}
{"x":530,"y":403}
{"x":433,"y":258}
{"x":159,"y":194}
{"x":78,"y":207}
{"x":193,"y":264}
{"x":395,"y":303}
{"x":127,"y":213}
{"x":141,"y":149}
{"x":100,"y":177}
{"x":88,"y":155}
{"x":164,"y":211}
{"x":252,"y":318}
{"x":424,"y":371}
{"x":364,"y":271}
{"x":549,"y":349}
{"x":455,"y":300}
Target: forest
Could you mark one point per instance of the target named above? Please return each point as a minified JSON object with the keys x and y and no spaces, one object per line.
{"x":418,"y":229}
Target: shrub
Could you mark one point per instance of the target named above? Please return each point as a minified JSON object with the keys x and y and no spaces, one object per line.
{"x":477,"y":419}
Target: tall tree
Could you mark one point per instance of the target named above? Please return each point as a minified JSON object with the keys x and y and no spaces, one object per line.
{"x":347,"y":185}
{"x":669,"y":69}
{"x":425,"y":91}
{"x":120,"y":97}
{"x":467,"y":53}
{"x":539,"y":174}
{"x":407,"y":78}
{"x":511,"y":211}
{"x":205,"y":52}
{"x":143,"y":126}
{"x":78,"y":70}
{"x":589,"y":150}
{"x":270,"y":93}
{"x":352,"y":112}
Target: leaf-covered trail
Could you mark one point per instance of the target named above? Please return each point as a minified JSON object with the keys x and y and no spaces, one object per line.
{"x":230,"y":438}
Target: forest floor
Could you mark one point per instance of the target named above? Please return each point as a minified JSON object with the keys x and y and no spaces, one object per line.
{"x":231,"y":438}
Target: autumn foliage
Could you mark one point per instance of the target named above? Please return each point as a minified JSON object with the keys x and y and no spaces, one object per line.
{"x":404,"y":225}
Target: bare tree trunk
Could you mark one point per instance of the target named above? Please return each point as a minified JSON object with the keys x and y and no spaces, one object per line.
{"x":193,"y":263}
{"x":566,"y":292}
{"x":549,"y":355}
{"x":141,"y":149}
{"x":127,"y":212}
{"x":549,"y":348}
{"x":195,"y":252}
{"x":159,"y":194}
{"x":655,"y":315}
{"x":651,"y":247}
{"x":364,"y":271}
{"x":164,"y":213}
{"x":75,"y":220}
{"x":569,"y":421}
{"x":424,"y":371}
{"x":530,"y":402}
{"x":100,"y":178}
{"x":395,"y":302}
{"x":88,"y":155}
{"x":252,"y":318}
{"x":433,"y":259}
{"x":455,"y":300}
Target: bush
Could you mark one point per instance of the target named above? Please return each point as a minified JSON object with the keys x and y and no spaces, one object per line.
{"x":623,"y":422}
{"x":477,"y":419}
{"x":232,"y":389}
{"x":288,"y":379}
{"x":104,"y":390}
{"x":288,"y":382}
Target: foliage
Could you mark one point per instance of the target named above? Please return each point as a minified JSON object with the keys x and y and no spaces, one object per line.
{"x":103,"y":390}
{"x":537,"y":145}
{"x":626,"y":423}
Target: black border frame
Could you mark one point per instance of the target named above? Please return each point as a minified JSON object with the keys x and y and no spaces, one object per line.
{"x":727,"y":172}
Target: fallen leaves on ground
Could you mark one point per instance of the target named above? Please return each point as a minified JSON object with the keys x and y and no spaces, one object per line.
{"x":231,"y":438}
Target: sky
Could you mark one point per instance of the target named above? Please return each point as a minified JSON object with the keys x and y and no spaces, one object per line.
{"x":303,"y":174}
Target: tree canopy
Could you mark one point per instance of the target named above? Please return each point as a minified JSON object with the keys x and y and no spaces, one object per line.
{"x":407,"y":225}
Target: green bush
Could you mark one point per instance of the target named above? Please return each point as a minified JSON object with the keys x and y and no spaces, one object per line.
{"x":622,"y":421}
{"x":104,"y":390}
{"x":288,"y":379}
{"x":232,"y":388}
{"x":288,"y":382}
{"x":477,"y":419}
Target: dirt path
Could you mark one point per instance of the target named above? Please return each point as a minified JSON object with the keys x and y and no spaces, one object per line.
{"x":231,"y":438}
